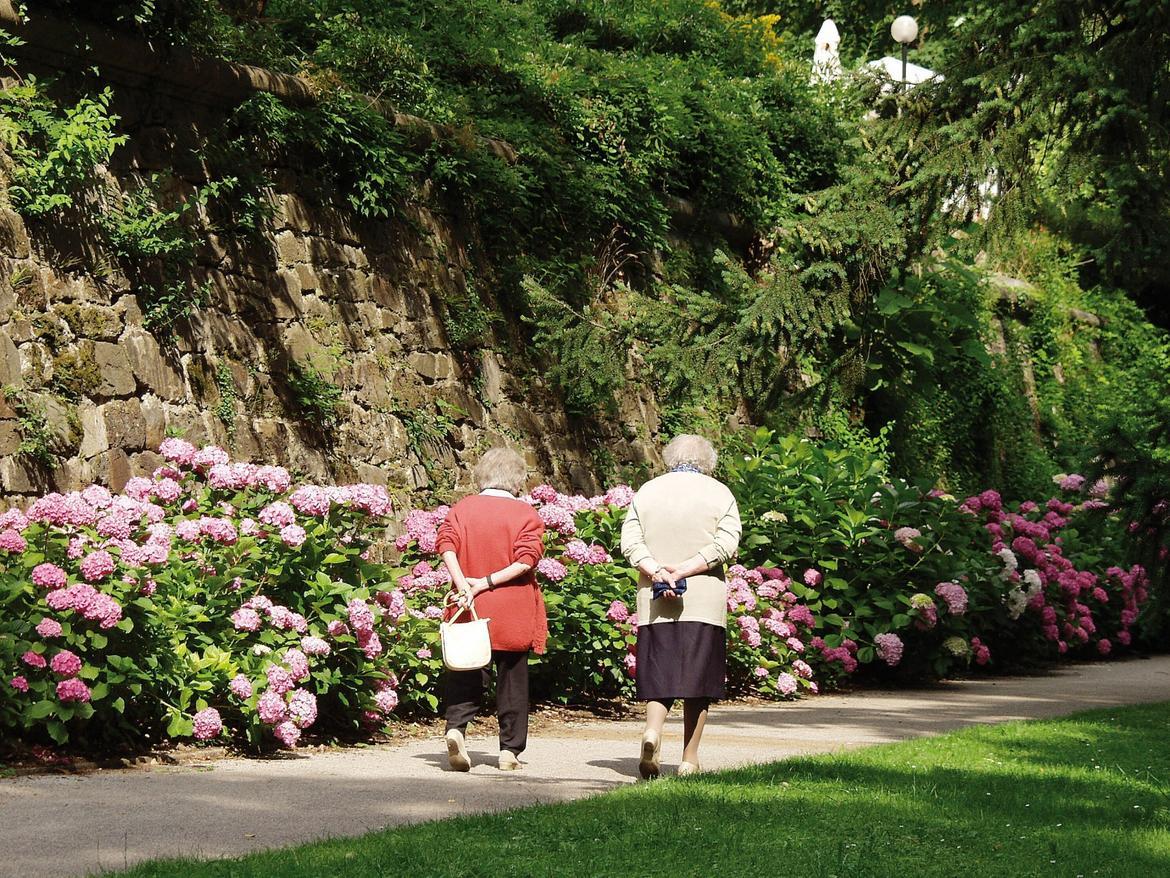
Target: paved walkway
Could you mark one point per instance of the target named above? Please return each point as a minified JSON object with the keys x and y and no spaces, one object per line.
{"x":74,"y":825}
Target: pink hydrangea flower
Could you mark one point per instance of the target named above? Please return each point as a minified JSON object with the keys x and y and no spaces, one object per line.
{"x":617,"y":612}
{"x":208,"y":724}
{"x":954,"y":595}
{"x":394,"y":603}
{"x":337,"y":628}
{"x":889,"y":648}
{"x":907,"y":536}
{"x":786,"y":684}
{"x":803,"y":669}
{"x":96,"y":566}
{"x":802,"y":615}
{"x":273,"y":478}
{"x":292,"y":535}
{"x":188,"y":531}
{"x":72,"y":690}
{"x":11,"y":541}
{"x":551,"y":569}
{"x":386,"y":700}
{"x":241,"y":686}
{"x":279,"y":680}
{"x":287,"y":733}
{"x":208,"y":456}
{"x":360,"y":615}
{"x":370,"y":643}
{"x":20,"y":684}
{"x":315,"y":646}
{"x":813,"y":577}
{"x":277,"y":514}
{"x":246,"y":619}
{"x":620,"y":496}
{"x":177,"y":451}
{"x":980,"y":651}
{"x":423,"y":653}
{"x":65,"y":664}
{"x":302,"y":708}
{"x":270,"y":707}
{"x":34,"y":660}
{"x":310,"y":500}
{"x":297,"y":664}
{"x":48,"y":575}
{"x":559,"y":519}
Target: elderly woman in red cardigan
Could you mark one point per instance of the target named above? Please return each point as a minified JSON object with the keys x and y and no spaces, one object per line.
{"x":490,"y":543}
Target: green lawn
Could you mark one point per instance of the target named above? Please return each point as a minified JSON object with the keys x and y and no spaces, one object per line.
{"x":1088,"y":795}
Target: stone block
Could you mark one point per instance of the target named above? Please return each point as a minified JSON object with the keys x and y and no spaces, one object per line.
{"x":9,"y":437}
{"x":322,"y":251}
{"x":18,"y":476}
{"x":291,"y":248}
{"x":113,"y":468}
{"x":145,"y":463}
{"x":117,"y":377}
{"x":36,"y":364}
{"x":154,"y":419}
{"x":287,"y":301}
{"x":10,"y":371}
{"x":385,"y":292}
{"x":93,"y":432}
{"x":432,"y":367}
{"x":91,"y":321}
{"x":308,"y":278}
{"x":371,"y":474}
{"x":125,"y":424}
{"x":151,"y":366}
{"x":129,"y":309}
{"x":13,"y":236}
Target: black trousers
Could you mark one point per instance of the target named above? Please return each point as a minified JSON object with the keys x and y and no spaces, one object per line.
{"x":464,"y":691}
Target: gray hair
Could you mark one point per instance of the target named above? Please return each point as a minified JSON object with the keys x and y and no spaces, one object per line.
{"x":693,"y":450}
{"x":502,"y":468}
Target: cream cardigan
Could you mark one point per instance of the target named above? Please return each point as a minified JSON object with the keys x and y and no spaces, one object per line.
{"x":672,"y":518}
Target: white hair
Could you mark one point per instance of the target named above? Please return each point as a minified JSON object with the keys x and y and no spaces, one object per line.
{"x":689,"y":449}
{"x":502,"y":468}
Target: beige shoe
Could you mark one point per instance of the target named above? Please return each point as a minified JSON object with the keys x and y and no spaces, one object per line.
{"x":457,"y":756}
{"x":508,"y":761}
{"x":651,"y":747}
{"x":686,"y":768}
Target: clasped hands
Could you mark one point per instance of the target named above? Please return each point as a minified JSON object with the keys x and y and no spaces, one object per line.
{"x":463,"y":593}
{"x":666,"y":573}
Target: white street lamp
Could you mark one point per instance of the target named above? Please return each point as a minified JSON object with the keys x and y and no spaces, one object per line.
{"x":904,"y":30}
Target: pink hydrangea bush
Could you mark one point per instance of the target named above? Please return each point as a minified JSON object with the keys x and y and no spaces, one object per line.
{"x":190,"y":602}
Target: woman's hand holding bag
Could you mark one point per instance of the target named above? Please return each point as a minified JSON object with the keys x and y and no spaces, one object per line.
{"x":466,"y":646}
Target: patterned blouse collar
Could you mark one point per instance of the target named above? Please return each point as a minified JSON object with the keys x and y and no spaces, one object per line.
{"x":686,"y":468}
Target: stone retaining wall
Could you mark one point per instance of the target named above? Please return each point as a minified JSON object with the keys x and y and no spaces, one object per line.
{"x":361,"y":302}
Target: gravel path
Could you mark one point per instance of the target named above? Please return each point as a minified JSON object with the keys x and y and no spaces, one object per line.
{"x":75,"y":825}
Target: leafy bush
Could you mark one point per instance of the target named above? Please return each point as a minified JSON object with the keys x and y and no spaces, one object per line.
{"x":209,"y":596}
{"x":211,"y":600}
{"x":54,"y":150}
{"x":883,"y":557}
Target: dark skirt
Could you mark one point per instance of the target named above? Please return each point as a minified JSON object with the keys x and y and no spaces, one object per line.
{"x":681,"y":660}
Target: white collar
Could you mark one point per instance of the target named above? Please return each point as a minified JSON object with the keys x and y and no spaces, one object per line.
{"x":497,"y":492}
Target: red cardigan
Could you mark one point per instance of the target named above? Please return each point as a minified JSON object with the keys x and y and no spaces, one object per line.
{"x":487,"y":534}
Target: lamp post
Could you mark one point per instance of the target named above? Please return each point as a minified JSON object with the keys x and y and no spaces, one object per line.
{"x":904,"y":30}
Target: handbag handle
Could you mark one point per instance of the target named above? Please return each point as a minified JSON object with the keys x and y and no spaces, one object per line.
{"x":470,"y":605}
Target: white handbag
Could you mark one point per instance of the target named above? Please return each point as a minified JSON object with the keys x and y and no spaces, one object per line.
{"x":466,"y":646}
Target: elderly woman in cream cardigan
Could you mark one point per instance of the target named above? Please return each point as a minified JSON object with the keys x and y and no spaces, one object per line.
{"x":681,"y":529}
